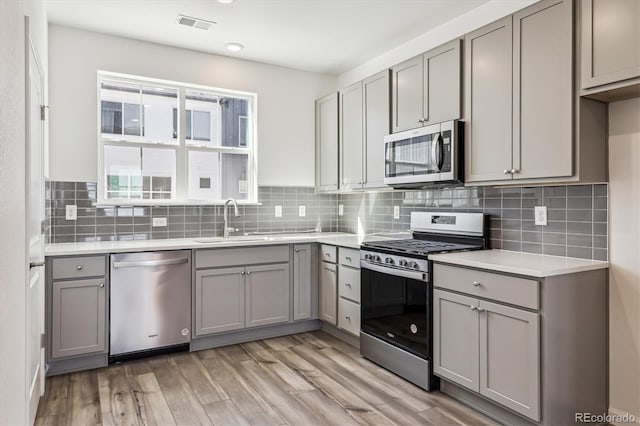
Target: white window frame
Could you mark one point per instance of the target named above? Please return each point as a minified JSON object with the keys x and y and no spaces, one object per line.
{"x":181,"y":147}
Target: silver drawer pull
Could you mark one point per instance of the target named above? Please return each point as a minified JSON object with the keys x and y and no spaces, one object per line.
{"x":348,"y":284}
{"x":329,"y":269}
{"x":328,"y":254}
{"x":242,"y":273}
{"x":79,"y":267}
{"x":101,"y":285}
{"x":479,"y":309}
{"x":348,"y":258}
{"x":297,"y":250}
{"x":144,"y":263}
{"x":473,"y":308}
{"x":477,"y":283}
{"x":248,"y":272}
{"x":347,"y":317}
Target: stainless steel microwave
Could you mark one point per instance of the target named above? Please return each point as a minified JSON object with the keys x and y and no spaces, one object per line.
{"x":424,"y":156}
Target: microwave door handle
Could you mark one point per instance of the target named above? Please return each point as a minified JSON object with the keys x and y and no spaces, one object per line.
{"x":434,"y":153}
{"x":440,"y":145}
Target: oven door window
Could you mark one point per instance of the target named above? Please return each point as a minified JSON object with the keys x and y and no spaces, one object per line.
{"x":396,"y":309}
{"x":414,"y":156}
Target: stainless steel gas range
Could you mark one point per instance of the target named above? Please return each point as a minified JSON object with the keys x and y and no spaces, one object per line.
{"x":397,"y":291}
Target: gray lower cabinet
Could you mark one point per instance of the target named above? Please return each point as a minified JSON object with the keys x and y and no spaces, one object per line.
{"x":302,"y":283}
{"x":328,"y":292}
{"x":610,"y":53}
{"x":78,"y":323}
{"x":267,"y":294}
{"x":327,"y":143}
{"x":219,"y":302}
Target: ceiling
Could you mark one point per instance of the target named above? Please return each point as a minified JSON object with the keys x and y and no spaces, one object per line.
{"x":328,"y":36}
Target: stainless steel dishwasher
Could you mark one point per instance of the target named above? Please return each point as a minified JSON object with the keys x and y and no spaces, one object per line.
{"x":150,"y":306}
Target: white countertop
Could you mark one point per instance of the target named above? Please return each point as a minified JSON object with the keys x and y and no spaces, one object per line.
{"x":533,"y":265}
{"x":333,"y":238}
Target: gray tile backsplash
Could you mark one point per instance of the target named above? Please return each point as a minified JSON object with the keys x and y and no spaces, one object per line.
{"x":577,"y":215}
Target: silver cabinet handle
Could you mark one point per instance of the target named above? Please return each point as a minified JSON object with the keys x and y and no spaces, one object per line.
{"x":242,"y":273}
{"x":329,"y":269}
{"x":248,"y":272}
{"x":144,"y":263}
{"x":327,"y":254}
{"x":506,"y":172}
{"x":479,"y":309}
{"x":101,"y":285}
{"x":348,"y":258}
{"x":348,"y":284}
{"x":297,"y":250}
{"x":347,"y":317}
{"x":477,"y":283}
{"x":473,"y":308}
{"x":79,"y":267}
{"x":514,"y":171}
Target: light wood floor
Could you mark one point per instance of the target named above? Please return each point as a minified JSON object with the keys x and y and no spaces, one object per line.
{"x":304,"y":379}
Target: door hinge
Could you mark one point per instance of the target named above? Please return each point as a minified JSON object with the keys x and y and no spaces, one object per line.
{"x":43,"y":112}
{"x":43,"y":340}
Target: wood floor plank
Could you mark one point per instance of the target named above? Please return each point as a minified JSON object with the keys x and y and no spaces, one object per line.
{"x":84,"y":399}
{"x":207,"y":390}
{"x":154,"y":409}
{"x":437,"y":416}
{"x":225,"y":413}
{"x":331,"y":412}
{"x":117,"y":403}
{"x":401,"y":415}
{"x":183,"y":403}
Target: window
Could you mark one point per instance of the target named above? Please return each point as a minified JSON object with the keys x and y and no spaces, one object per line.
{"x":164,"y":142}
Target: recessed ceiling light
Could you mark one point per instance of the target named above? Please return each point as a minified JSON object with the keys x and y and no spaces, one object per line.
{"x":234,"y":47}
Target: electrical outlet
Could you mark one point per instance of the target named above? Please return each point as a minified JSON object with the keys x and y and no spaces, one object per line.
{"x":541,"y":215}
{"x":278,"y":211}
{"x":159,"y":221}
{"x":302,"y":211}
{"x":396,"y":212}
{"x":71,"y":212}
{"x":340,"y":210}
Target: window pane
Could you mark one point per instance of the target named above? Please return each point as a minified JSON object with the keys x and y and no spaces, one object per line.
{"x":202,"y":118}
{"x":159,"y":104}
{"x":235,"y":182}
{"x":243,"y":129}
{"x":111,"y":117}
{"x":231,"y":109}
{"x":123,"y":172}
{"x":159,"y":169}
{"x":204,"y":173}
{"x":132,"y":120}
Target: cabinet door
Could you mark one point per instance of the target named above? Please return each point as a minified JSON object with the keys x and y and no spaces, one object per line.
{"x":327,"y":143}
{"x":406,"y":95}
{"x":301,"y":281}
{"x":610,"y":41}
{"x":328,"y":292}
{"x":79,"y":317}
{"x":442,"y":81}
{"x":488,"y":86}
{"x":219,"y":300}
{"x":349,"y":316}
{"x":377,"y":115}
{"x":543,"y":90}
{"x":455,"y":338}
{"x":510,"y":358}
{"x":351,"y":122}
{"x":267,"y":294}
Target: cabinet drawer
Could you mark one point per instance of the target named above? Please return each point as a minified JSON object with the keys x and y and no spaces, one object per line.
{"x":516,"y":291}
{"x":349,"y":257}
{"x":78,"y":267}
{"x":349,"y":316}
{"x":241,"y":256}
{"x":349,"y":283}
{"x":328,"y":253}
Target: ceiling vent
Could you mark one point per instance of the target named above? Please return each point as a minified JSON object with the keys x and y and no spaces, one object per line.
{"x":190,"y":21}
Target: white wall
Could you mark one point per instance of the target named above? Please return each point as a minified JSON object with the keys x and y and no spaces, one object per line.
{"x":285,"y":100}
{"x":472,"y":20}
{"x":13,"y":250}
{"x":624,"y":256}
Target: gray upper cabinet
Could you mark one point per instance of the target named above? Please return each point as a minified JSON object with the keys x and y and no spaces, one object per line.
{"x":302,"y":290}
{"x":377,"y":113}
{"x":442,"y":81}
{"x":267,"y":297}
{"x":328,"y":292}
{"x":426,"y":89}
{"x":610,"y":53}
{"x":488,"y":86}
{"x":327,"y":143}
{"x":456,"y":339}
{"x":219,"y":300}
{"x":543,"y":91}
{"x":351,"y":136}
{"x":79,"y":319}
{"x":510,"y":357}
{"x":407,"y":98}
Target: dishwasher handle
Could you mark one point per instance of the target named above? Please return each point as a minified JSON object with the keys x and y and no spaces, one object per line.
{"x":144,"y":263}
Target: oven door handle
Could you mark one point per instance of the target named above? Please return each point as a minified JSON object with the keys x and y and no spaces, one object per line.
{"x":414,"y":275}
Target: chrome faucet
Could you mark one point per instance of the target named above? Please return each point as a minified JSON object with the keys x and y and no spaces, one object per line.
{"x":226,"y":219}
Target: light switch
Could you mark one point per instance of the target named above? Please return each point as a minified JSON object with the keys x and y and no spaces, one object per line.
{"x":541,"y":215}
{"x":278,"y":211}
{"x":396,"y":212}
{"x":340,"y":210}
{"x":159,"y":221}
{"x":302,"y":211}
{"x":71,"y":212}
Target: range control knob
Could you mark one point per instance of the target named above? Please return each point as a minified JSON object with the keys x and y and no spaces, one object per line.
{"x":367,"y":256}
{"x":413,"y":265}
{"x":402,"y":262}
{"x":388,"y":260}
{"x":376,"y":258}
